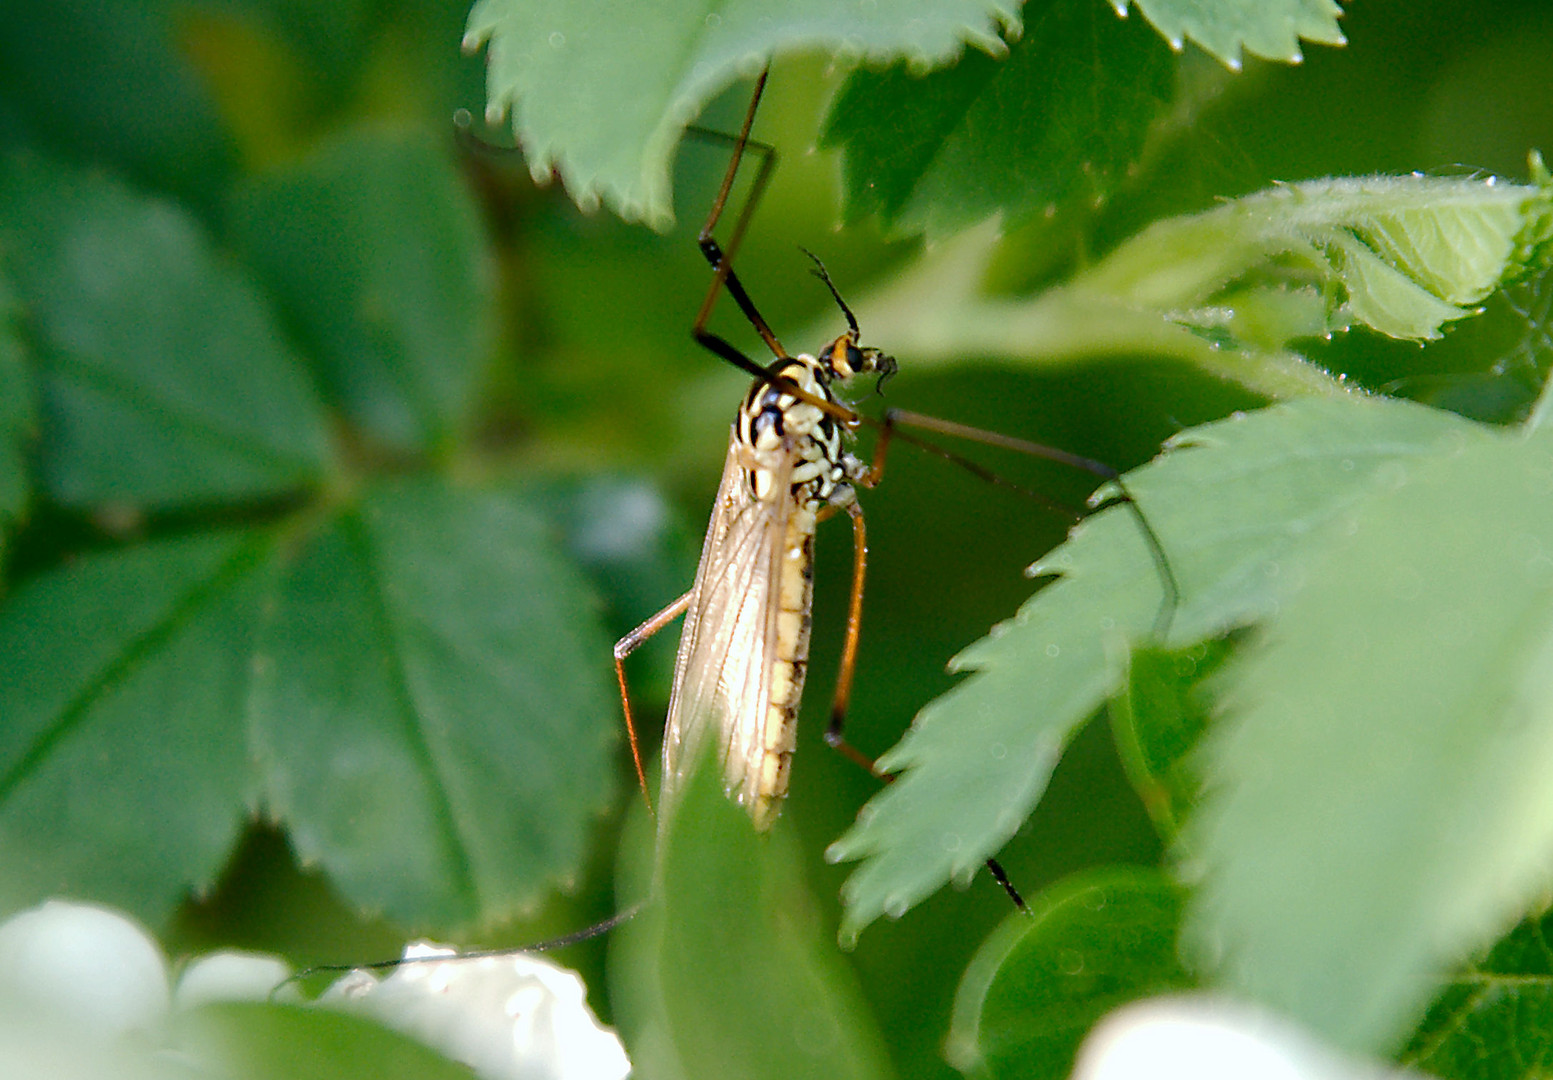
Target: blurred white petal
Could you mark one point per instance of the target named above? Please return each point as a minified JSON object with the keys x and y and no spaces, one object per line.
{"x":86,"y":975}
{"x":90,"y":969}
{"x":232,"y":976}
{"x":1201,"y":1038}
{"x":514,"y":1017}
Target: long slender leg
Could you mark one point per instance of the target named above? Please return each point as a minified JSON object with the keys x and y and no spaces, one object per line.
{"x":624,"y":648}
{"x":767,"y":154}
{"x":587,"y":933}
{"x":721,"y":257}
{"x":721,"y":260}
{"x":843,"y":696}
{"x":889,"y":430}
{"x":723,"y":275}
{"x":848,"y":667}
{"x":895,"y":419}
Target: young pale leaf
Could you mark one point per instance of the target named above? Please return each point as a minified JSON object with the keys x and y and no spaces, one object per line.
{"x":1495,"y":1018}
{"x":1266,"y":28}
{"x":1231,"y":505}
{"x":1036,"y":987}
{"x":1378,"y":799}
{"x":1407,"y":253}
{"x":728,"y":971}
{"x":945,"y":150}
{"x":430,"y":704}
{"x":1233,"y":289}
{"x":375,"y":247}
{"x":602,"y":100}
{"x":164,"y":381}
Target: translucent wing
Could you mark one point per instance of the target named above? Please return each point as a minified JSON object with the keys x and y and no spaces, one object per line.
{"x":728,"y":648}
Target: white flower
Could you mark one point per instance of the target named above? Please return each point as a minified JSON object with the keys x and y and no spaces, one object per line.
{"x":86,"y":967}
{"x":84,"y":994}
{"x":1201,"y":1038}
{"x":513,"y":1017}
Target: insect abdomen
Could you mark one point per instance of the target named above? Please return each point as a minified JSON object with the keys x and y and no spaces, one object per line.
{"x":788,"y":668}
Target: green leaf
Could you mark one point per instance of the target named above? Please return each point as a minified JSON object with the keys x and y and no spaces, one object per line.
{"x":1379,"y":801}
{"x":1088,"y":945}
{"x":1492,"y":1021}
{"x":245,"y":1041}
{"x":163,"y":380}
{"x":415,"y":686}
{"x":18,"y":418}
{"x":1233,"y":289}
{"x":1157,"y":718}
{"x":1266,"y":28}
{"x":1407,"y":254}
{"x":636,"y":551}
{"x":124,"y":771}
{"x":943,"y":151}
{"x":32,"y":1049}
{"x":1231,"y":505}
{"x":375,"y":248}
{"x":602,"y":100}
{"x":112,"y":84}
{"x":431,"y":705}
{"x":728,"y":971}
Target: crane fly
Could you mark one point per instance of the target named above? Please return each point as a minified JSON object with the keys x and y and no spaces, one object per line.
{"x":743,"y":651}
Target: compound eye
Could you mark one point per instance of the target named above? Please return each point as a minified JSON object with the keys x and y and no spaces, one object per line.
{"x":834,"y":359}
{"x":846,"y":359}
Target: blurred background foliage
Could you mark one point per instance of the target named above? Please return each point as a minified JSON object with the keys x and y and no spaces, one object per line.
{"x":450,"y":318}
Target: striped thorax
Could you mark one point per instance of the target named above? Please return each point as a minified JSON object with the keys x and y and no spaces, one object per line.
{"x":745,"y":645}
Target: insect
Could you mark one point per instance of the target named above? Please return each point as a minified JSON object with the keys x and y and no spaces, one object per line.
{"x":743,"y":651}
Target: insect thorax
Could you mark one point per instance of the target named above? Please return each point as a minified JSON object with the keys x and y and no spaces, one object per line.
{"x":783,"y":435}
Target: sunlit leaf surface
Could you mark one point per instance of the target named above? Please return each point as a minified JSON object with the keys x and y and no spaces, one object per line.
{"x":1017,"y":135}
{"x":1378,"y":801}
{"x":603,"y":100}
{"x":1231,"y":506}
{"x":1267,"y":28}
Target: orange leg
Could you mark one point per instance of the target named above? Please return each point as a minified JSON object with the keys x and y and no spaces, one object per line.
{"x":624,"y":648}
{"x":843,"y":696}
{"x":848,"y":668}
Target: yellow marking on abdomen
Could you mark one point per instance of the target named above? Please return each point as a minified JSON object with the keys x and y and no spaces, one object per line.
{"x":791,"y":651}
